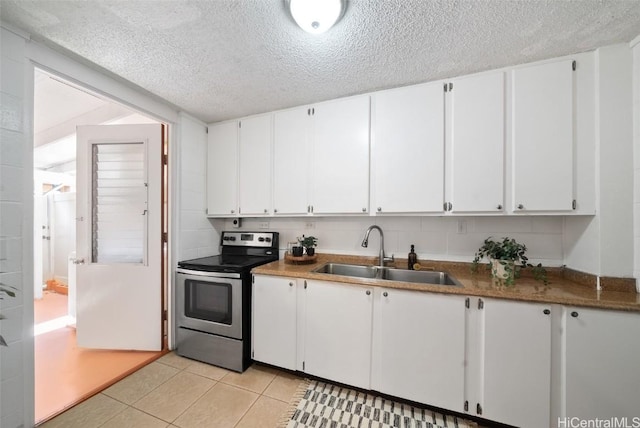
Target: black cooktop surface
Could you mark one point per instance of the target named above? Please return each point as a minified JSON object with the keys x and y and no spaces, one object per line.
{"x":226,"y":263}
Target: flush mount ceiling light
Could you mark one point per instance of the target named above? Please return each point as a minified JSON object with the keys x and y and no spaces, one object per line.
{"x":316,"y":16}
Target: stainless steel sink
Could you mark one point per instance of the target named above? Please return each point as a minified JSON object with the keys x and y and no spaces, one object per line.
{"x":421,"y":277}
{"x":389,"y":274}
{"x":348,"y":270}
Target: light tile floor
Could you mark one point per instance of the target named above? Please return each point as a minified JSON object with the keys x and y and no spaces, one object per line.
{"x":178,"y":392}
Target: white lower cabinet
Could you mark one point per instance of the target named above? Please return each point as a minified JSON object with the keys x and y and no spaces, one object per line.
{"x":273,"y":339}
{"x":418,"y":348}
{"x":338,"y":332}
{"x":500,"y":360}
{"x":514,"y":382}
{"x":602,"y":374}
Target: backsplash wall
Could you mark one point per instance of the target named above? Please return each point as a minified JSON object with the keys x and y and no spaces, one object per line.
{"x":435,"y":238}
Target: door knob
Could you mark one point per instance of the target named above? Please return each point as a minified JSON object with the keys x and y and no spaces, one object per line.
{"x":78,"y":261}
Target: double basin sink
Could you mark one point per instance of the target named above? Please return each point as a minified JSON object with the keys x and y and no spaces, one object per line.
{"x":389,"y":274}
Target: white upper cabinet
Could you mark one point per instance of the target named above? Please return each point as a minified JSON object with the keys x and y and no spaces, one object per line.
{"x":255,"y":165}
{"x":222,"y":169}
{"x":543,"y":138}
{"x":409,"y":150}
{"x":340,"y":172}
{"x":476,"y":141}
{"x":291,"y":160}
{"x":321,"y":158}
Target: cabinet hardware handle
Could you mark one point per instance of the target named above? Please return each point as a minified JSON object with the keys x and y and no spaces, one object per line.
{"x":546,"y":311}
{"x":574,"y":314}
{"x":265,"y":210}
{"x":233,"y":211}
{"x":499,"y":207}
{"x":520,"y":206}
{"x":275,"y":210}
{"x":291,"y":284}
{"x":385,"y":294}
{"x":379,"y":209}
{"x":368,"y":292}
{"x":364,"y":210}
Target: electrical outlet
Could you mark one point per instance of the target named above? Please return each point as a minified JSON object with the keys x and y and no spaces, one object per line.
{"x":462,"y":227}
{"x":310,"y":225}
{"x":263,"y":225}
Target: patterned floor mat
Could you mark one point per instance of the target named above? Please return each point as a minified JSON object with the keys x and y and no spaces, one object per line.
{"x":323,"y":405}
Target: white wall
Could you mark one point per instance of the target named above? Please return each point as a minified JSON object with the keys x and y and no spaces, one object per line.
{"x":198,"y":236}
{"x":435,"y":238}
{"x":63,"y":233}
{"x":635,"y":44}
{"x":16,"y":236}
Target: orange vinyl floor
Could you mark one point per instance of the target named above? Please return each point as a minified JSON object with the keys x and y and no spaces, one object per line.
{"x":65,"y":374}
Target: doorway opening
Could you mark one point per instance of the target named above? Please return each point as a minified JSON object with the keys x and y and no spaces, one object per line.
{"x":66,"y":374}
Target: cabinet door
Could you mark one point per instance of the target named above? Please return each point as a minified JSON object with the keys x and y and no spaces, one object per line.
{"x":409,"y":149}
{"x":255,"y":165}
{"x":602,"y":375}
{"x":543,"y":113}
{"x":517,"y":363}
{"x":222,"y":169}
{"x":340,"y":173}
{"x":419,"y":347}
{"x":274,"y":321}
{"x":476,"y":167}
{"x":338,"y":332}
{"x":291,"y":161}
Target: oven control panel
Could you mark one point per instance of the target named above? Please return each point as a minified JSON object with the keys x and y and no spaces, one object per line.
{"x":249,"y":239}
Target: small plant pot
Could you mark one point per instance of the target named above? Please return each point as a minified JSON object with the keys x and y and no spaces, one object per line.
{"x":311,"y":251}
{"x":297,"y":251}
{"x":503,"y":271}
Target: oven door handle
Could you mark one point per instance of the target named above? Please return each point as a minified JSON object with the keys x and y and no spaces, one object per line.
{"x":234,"y":275}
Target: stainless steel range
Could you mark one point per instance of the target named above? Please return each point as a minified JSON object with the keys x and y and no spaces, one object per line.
{"x":213,"y":300}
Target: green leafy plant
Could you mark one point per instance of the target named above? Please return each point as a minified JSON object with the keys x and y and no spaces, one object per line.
{"x":5,"y":290}
{"x":308,"y":241}
{"x":511,"y":255}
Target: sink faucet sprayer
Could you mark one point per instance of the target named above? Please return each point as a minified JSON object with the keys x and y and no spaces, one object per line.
{"x":365,"y":244}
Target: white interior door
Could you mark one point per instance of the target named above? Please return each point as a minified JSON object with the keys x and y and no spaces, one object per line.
{"x":118,"y":237}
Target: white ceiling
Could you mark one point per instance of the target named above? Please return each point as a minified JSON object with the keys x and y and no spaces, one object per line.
{"x":220,"y":59}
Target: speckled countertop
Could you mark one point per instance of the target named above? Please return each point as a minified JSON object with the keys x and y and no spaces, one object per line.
{"x":560,"y":289}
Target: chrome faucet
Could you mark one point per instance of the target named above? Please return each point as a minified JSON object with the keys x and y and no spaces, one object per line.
{"x":365,"y":244}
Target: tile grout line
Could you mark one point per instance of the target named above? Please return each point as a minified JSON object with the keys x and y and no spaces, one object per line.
{"x":192,"y":404}
{"x":256,"y":400}
{"x":117,"y":413}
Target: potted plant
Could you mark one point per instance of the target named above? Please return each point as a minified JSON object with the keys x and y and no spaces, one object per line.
{"x":309,"y":243}
{"x":506,"y":258}
{"x":9,"y":291}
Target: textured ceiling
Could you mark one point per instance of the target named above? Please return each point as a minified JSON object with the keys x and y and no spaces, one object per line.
{"x":220,"y":59}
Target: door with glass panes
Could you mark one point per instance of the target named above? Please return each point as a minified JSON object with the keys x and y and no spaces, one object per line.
{"x":119,"y":236}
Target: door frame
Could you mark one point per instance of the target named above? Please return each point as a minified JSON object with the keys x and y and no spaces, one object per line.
{"x":37,"y":55}
{"x":167,"y":217}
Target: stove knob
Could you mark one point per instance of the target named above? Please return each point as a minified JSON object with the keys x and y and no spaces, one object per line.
{"x":232,"y":238}
{"x":267,"y":239}
{"x":226,"y":238}
{"x":261,"y":239}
